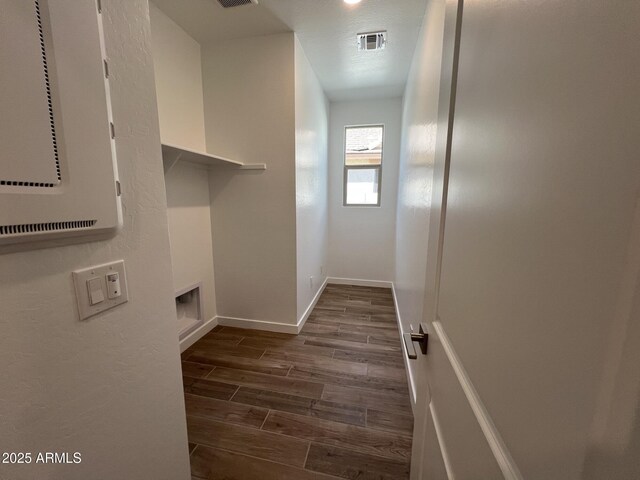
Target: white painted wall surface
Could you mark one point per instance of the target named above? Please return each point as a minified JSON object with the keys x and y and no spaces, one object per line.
{"x":420,"y":207}
{"x":178,"y":67}
{"x":362,"y":239}
{"x":312,"y":124}
{"x":108,"y":387}
{"x":178,"y":70}
{"x":250,"y":116}
{"x":189,"y":215}
{"x":418,"y":159}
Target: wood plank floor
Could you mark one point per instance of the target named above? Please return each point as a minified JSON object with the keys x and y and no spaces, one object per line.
{"x":329,"y":403}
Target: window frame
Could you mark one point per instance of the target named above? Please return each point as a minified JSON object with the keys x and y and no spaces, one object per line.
{"x":346,"y":168}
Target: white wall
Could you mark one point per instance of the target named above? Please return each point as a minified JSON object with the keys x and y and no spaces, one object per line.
{"x":311,"y":180}
{"x":249,"y":98}
{"x":108,"y":387}
{"x":189,"y":215}
{"x":419,"y":192}
{"x":362,"y":239}
{"x":178,"y":67}
{"x":178,"y":70}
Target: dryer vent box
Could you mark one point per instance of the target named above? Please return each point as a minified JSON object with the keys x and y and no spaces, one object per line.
{"x":58,"y":171}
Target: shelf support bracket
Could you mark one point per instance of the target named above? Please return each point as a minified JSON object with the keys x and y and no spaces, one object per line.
{"x":172,"y":162}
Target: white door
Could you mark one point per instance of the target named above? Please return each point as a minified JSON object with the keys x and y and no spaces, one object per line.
{"x":533,"y":368}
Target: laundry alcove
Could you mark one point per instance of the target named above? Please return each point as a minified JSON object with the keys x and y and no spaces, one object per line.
{"x":243,"y":126}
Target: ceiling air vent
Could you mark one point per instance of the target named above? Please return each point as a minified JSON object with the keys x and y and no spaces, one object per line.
{"x":372,"y":41}
{"x":236,"y":3}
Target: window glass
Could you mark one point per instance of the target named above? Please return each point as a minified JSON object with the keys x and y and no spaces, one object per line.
{"x":363,"y":146}
{"x":363,"y":165}
{"x":362,"y":186}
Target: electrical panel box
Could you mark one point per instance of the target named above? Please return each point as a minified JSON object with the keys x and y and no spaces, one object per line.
{"x":58,"y":170}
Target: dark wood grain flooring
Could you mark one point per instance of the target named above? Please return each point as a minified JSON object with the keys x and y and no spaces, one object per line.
{"x":329,"y":403}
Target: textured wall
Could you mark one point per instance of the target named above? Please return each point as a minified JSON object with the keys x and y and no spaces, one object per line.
{"x":108,"y":387}
{"x":178,"y":70}
{"x":249,"y":97}
{"x":419,"y":195}
{"x":311,"y":180}
{"x":189,"y":216}
{"x":178,"y":66}
{"x":362,"y":239}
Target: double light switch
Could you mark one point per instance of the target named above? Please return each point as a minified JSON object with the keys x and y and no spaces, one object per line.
{"x":96,"y":290}
{"x":100,"y":288}
{"x":96,"y":294}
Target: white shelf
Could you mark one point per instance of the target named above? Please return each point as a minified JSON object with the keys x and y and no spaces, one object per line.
{"x":172,"y":154}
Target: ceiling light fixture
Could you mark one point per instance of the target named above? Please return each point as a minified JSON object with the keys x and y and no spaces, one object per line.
{"x":352,"y":2}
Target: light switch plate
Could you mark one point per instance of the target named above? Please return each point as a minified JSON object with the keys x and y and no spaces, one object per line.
{"x":80,"y":279}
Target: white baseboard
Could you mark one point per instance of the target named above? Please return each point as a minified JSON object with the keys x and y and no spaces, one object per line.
{"x":273,"y":326}
{"x":311,"y":306}
{"x":360,"y":282}
{"x":412,"y":384}
{"x":258,"y":325}
{"x":198,"y":333}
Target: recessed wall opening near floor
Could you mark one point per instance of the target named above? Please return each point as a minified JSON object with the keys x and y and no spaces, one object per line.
{"x":189,"y":310}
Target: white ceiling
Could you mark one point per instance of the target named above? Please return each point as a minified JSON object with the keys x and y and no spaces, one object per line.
{"x":327,"y":31}
{"x":207,"y":22}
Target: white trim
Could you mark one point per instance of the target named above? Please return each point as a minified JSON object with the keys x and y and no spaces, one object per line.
{"x":274,"y":326}
{"x":500,"y":452}
{"x":407,"y":363}
{"x":295,"y":329}
{"x":198,"y":333}
{"x":443,"y":448}
{"x":312,"y":305}
{"x":258,"y":324}
{"x":359,"y":282}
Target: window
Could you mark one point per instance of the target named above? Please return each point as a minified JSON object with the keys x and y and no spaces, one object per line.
{"x":363,"y":165}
